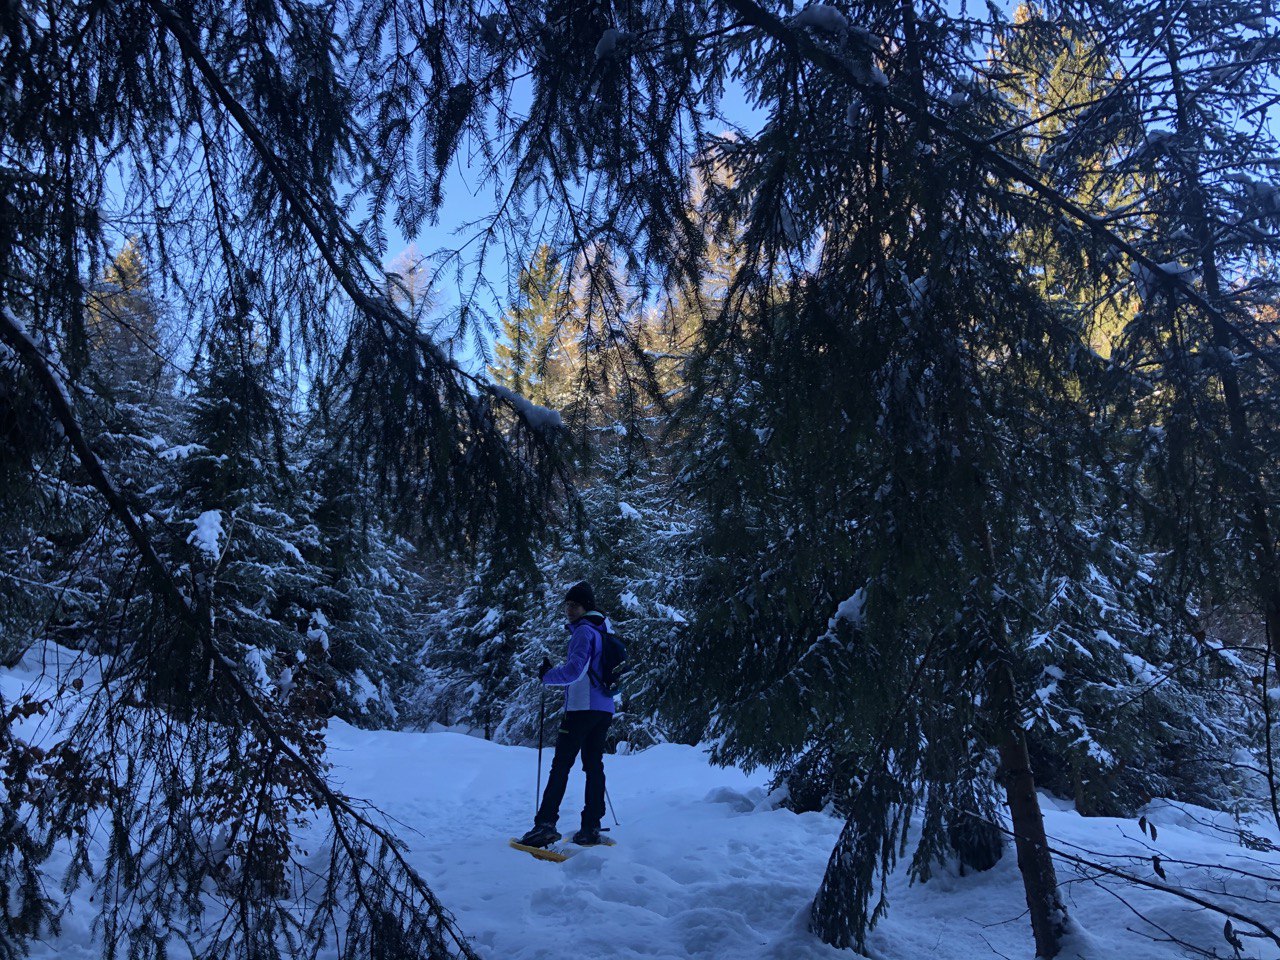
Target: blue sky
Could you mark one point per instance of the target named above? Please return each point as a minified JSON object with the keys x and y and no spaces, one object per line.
{"x":467,"y":200}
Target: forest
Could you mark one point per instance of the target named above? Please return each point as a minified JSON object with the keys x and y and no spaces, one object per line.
{"x":904,"y":375}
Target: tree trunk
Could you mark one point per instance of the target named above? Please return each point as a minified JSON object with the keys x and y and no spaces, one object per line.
{"x":1035,"y":862}
{"x":839,"y":913}
{"x":1039,"y":880}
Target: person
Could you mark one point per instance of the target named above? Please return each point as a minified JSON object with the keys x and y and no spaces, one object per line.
{"x":588,"y":711}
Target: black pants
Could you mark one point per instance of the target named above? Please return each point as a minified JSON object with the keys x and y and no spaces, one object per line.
{"x":580,"y":730}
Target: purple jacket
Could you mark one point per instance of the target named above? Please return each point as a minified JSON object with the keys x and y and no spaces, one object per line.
{"x":585,"y":650}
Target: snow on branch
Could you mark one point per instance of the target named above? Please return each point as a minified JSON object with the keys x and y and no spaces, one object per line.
{"x":852,"y":610}
{"x":609,"y":42}
{"x":824,"y":17}
{"x":208,"y":534}
{"x":537,"y":417}
{"x":827,"y":19}
{"x":1151,"y":281}
{"x":1261,"y":198}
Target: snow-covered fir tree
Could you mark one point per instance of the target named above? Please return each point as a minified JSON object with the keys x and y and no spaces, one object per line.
{"x":497,"y":615}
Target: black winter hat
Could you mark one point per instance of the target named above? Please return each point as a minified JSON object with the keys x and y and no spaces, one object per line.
{"x":581,"y":593}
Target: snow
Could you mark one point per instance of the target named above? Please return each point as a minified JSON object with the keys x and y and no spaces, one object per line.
{"x":180,"y":452}
{"x":540,"y":418}
{"x":489,"y":621}
{"x":628,"y":511}
{"x":918,"y":293}
{"x":707,"y":866}
{"x":17,"y":324}
{"x":1151,"y":282}
{"x":865,"y":37}
{"x":824,"y":17}
{"x":318,"y":630}
{"x":256,"y":667}
{"x":670,"y":613}
{"x":1262,"y":196}
{"x":1047,"y":690}
{"x":208,"y":535}
{"x":364,"y":690}
{"x":609,"y":41}
{"x":876,"y":77}
{"x":854,"y":610}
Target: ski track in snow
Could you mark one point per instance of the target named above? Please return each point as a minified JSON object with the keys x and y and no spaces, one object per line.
{"x":703,"y":870}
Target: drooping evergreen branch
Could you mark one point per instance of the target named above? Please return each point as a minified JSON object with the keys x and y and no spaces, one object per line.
{"x":55,"y":390}
{"x":757,"y":16}
{"x":336,"y":249}
{"x":16,"y":336}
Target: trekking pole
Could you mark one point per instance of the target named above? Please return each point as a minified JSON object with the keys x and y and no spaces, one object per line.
{"x":611,"y":810}
{"x":542,"y":715}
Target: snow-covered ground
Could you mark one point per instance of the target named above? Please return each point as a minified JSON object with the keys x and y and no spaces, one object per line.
{"x":705,"y":869}
{"x":700,"y":872}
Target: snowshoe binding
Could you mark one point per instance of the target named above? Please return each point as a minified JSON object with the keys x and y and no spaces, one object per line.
{"x":589,"y":837}
{"x":542,"y":835}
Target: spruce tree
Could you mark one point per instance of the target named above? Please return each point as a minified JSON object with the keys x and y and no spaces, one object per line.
{"x":1061,"y":86}
{"x":1211,"y":217}
{"x":1172,"y":123}
{"x":894,"y":428}
{"x":535,"y":348}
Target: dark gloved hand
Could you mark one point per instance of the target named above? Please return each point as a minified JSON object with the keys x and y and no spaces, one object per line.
{"x":544,"y":667}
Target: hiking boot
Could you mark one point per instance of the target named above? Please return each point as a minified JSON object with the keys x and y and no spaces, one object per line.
{"x":542,"y":835}
{"x":588,"y":837}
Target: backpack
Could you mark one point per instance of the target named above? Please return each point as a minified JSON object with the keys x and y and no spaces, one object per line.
{"x":613,"y":657}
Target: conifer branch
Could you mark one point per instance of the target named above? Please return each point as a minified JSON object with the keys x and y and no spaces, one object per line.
{"x":60,"y":402}
{"x":339,"y":806}
{"x":1265,"y":930}
{"x":336,"y":250}
{"x":755,"y":15}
